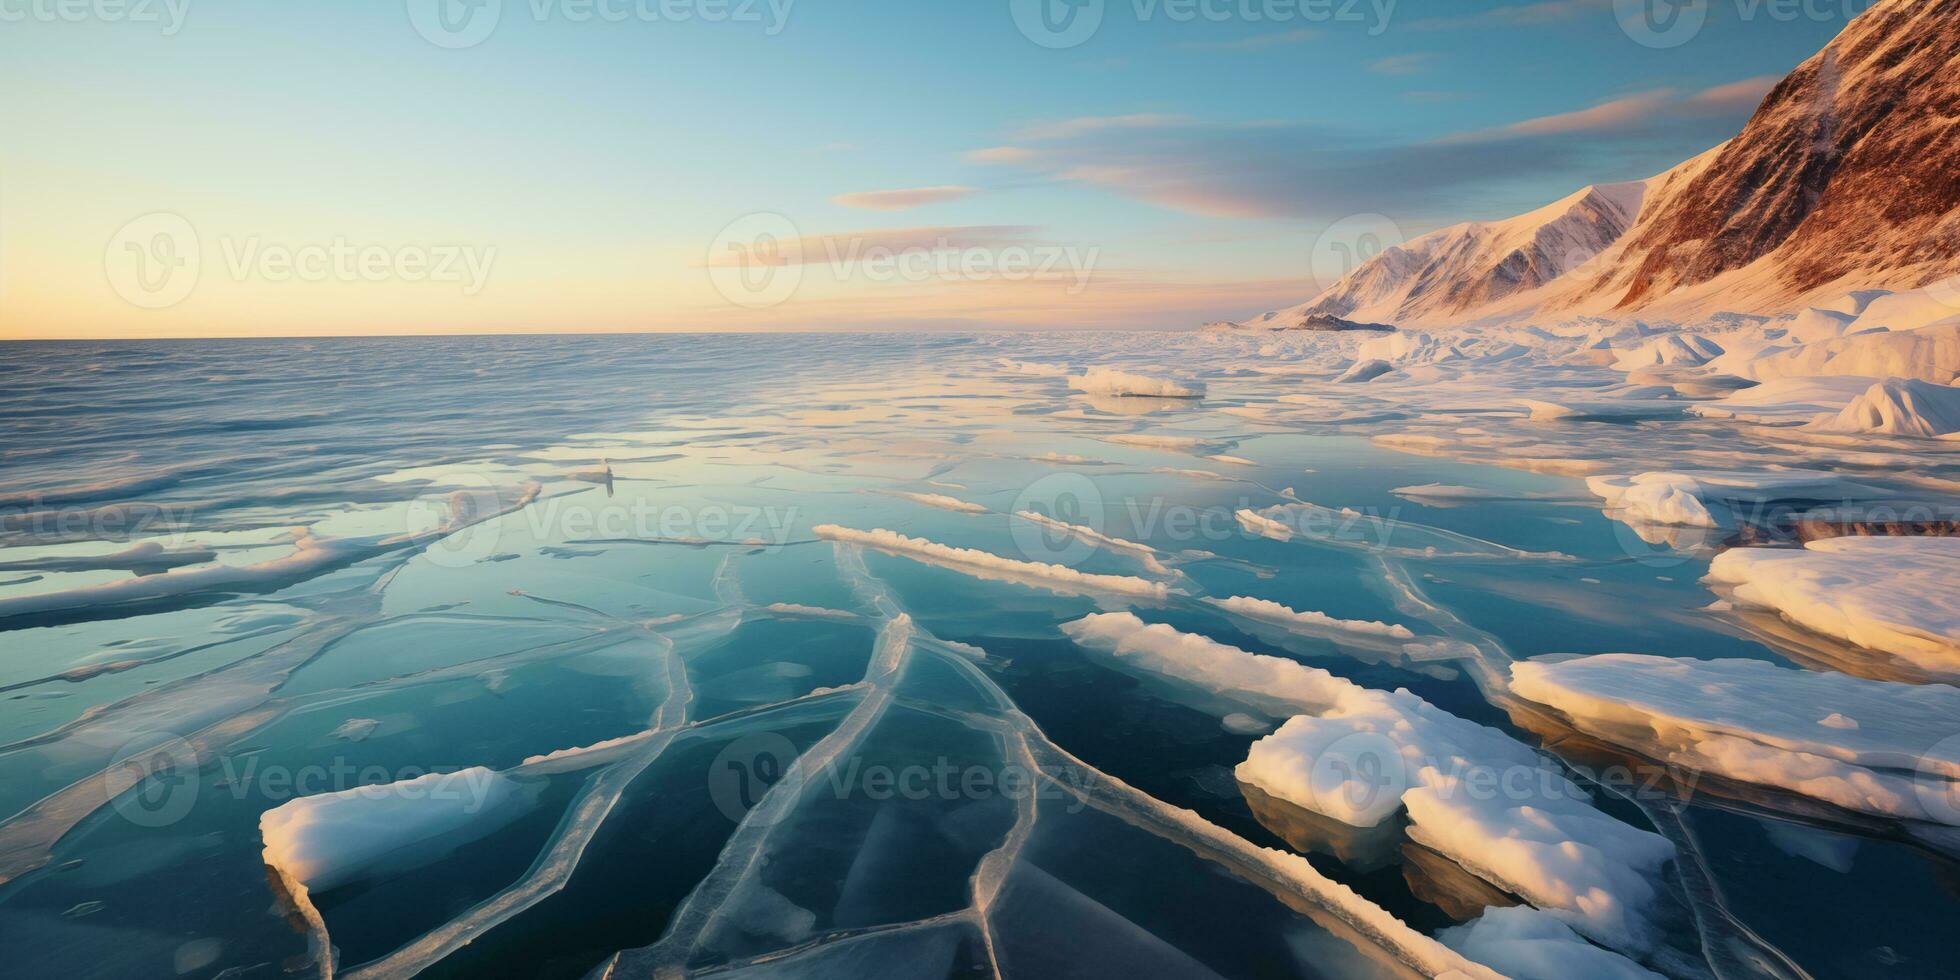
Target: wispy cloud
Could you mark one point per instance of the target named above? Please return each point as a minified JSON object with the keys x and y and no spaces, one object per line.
{"x":1403,"y":64}
{"x":1745,"y":95}
{"x":1640,"y":110}
{"x":904,"y":199}
{"x":1304,"y":171}
{"x":1516,"y":15}
{"x":1257,"y":42}
{"x":840,"y":246}
{"x":1606,"y":116}
{"x":1083,"y":125}
{"x":1001,"y":154}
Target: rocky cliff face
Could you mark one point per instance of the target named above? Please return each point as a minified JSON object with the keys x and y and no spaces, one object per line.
{"x":1851,"y":167}
{"x":1846,"y":178}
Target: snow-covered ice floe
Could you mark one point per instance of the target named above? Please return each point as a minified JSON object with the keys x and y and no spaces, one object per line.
{"x":322,"y":842}
{"x":1892,"y":594}
{"x":1868,"y":746}
{"x":1109,"y":381}
{"x":1899,"y":407}
{"x":1713,"y":498}
{"x":1267,"y":611}
{"x":1527,"y":944}
{"x":1473,"y":794}
{"x":1786,"y":401}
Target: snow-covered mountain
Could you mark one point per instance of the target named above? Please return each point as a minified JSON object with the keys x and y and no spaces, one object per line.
{"x":1843,"y":180}
{"x":1467,"y":267}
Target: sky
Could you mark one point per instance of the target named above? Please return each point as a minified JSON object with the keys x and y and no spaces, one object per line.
{"x":177,"y":168}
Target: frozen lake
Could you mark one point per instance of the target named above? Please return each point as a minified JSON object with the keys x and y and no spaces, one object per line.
{"x":904,"y":656}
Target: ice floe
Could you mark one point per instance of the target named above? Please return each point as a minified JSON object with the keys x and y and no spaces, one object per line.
{"x":942,"y":502}
{"x":1143,"y":554}
{"x":1267,"y":611}
{"x":1899,"y":407}
{"x":1714,"y":498}
{"x":1868,"y":746}
{"x":1527,"y":944}
{"x":1360,"y":756}
{"x":1892,"y":594}
{"x":1109,"y":381}
{"x":328,"y":840}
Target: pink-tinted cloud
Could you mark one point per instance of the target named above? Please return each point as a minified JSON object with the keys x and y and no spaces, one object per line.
{"x":1516,"y":15}
{"x":841,"y":247}
{"x":1412,"y":63}
{"x":1744,"y":95}
{"x":1083,"y":125}
{"x":1001,"y":154}
{"x":902,"y":200}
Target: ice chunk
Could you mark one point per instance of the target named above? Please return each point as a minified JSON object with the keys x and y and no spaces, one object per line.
{"x":1358,"y":756}
{"x":1786,"y":401}
{"x":942,"y":502}
{"x":1364,"y":371}
{"x":1272,"y":684}
{"x":1672,"y":350}
{"x":329,"y":840}
{"x":1759,"y":723}
{"x":1892,"y":594}
{"x":1475,"y":794}
{"x":1929,"y":354}
{"x":1899,"y":407}
{"x":1266,"y":611}
{"x":1109,"y":381}
{"x":1710,"y":498}
{"x":987,"y":565}
{"x":1141,"y":553}
{"x":1527,"y":944}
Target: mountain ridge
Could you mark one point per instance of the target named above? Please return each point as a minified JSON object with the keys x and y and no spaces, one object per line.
{"x":1840,"y":181}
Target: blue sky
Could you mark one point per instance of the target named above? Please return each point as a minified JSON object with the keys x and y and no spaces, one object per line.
{"x":1197,"y":153}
